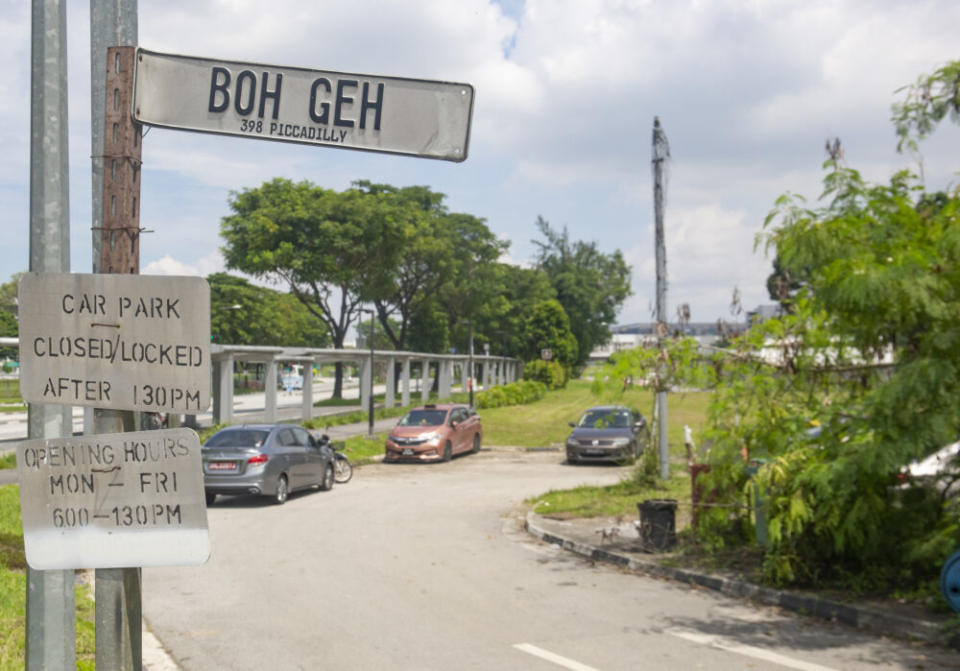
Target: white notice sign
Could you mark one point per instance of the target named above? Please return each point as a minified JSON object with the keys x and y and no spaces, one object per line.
{"x":395,"y":115}
{"x":126,"y":342}
{"x":113,"y":500}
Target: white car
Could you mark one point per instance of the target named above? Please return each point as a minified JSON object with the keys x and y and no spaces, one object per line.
{"x":943,"y":466}
{"x":290,"y":382}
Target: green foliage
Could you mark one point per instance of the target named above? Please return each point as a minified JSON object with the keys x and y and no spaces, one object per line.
{"x":515,"y":393}
{"x":244,"y":314}
{"x":550,"y":373}
{"x":927,"y":102}
{"x":591,"y":286}
{"x":548,"y":327}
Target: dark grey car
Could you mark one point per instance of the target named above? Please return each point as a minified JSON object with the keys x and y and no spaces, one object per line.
{"x":607,"y":433}
{"x":265,"y":459}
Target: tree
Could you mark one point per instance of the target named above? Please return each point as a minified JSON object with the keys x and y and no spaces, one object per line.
{"x":244,"y":314}
{"x":548,"y":327}
{"x":870,"y":352}
{"x":9,"y":328}
{"x":591,"y":286}
{"x":501,"y":320}
{"x":333,"y":249}
{"x":782,"y":286}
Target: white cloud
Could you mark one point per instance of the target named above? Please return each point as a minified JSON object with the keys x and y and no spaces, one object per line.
{"x":566,"y":92}
{"x":203,"y":266}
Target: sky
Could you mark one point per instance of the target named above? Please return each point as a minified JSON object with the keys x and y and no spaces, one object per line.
{"x":566,"y":92}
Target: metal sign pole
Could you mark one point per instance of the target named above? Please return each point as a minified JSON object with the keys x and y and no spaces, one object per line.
{"x":50,"y":621}
{"x":116,"y":229}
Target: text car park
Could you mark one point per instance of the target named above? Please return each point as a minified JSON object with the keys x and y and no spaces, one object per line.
{"x":434,"y":432}
{"x":265,"y":459}
{"x":607,"y":433}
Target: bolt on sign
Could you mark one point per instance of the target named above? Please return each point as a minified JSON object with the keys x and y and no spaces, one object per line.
{"x":414,"y":117}
{"x":125,"y":342}
{"x":113,"y":500}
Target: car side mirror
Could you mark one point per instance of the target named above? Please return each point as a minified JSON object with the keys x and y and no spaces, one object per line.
{"x":453,"y":424}
{"x":572,"y":425}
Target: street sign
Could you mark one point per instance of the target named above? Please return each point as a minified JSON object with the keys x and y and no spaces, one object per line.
{"x":113,"y":500}
{"x":126,"y":342}
{"x":395,"y":115}
{"x":546,"y":354}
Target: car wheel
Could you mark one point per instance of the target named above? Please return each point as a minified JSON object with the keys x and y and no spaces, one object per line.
{"x":447,"y":451}
{"x":327,"y":483}
{"x":476,"y":443}
{"x":283,"y":491}
{"x":211,"y":497}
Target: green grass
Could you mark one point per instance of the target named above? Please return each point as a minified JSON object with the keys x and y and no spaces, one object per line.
{"x":612,"y":500}
{"x":362,"y":450}
{"x":13,"y":605}
{"x":8,"y":460}
{"x":544,"y":423}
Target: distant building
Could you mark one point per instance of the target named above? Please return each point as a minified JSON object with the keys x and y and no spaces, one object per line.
{"x":762,"y":313}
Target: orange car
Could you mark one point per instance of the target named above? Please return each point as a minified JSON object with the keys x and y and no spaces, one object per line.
{"x":434,"y":432}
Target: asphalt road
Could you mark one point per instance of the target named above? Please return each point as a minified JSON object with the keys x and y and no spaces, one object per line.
{"x":425,"y":567}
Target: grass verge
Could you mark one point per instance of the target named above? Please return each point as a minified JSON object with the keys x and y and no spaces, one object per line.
{"x":13,"y":591}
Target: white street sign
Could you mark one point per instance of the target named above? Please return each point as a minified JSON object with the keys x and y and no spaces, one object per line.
{"x":113,"y":500}
{"x":126,"y":342}
{"x":415,"y":117}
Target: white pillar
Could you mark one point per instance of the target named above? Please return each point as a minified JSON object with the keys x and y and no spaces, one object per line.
{"x":405,"y":384}
{"x":425,"y":380}
{"x":487,"y":374}
{"x":446,"y":379}
{"x":270,"y":393}
{"x":364,"y":383}
{"x":388,"y":400}
{"x":307,"y":390}
{"x":224,"y":405}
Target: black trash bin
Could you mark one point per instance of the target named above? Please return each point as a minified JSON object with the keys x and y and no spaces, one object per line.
{"x":658,"y":530}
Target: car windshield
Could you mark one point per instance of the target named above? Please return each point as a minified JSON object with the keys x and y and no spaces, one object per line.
{"x":237,"y":438}
{"x":424,"y":418}
{"x":605,"y":419}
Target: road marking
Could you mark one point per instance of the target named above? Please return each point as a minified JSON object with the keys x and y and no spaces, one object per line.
{"x":747,"y":650}
{"x":553,"y":657}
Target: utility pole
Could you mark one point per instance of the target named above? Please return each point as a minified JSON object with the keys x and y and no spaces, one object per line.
{"x":115,"y":154}
{"x":661,"y":154}
{"x":51,"y":633}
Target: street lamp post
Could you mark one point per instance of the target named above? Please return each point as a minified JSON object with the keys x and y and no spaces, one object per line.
{"x":370,"y":390}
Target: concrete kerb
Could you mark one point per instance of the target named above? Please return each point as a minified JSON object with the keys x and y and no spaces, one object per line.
{"x":856,"y":616}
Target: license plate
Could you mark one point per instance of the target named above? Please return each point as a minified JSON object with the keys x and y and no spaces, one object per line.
{"x":594,"y":453}
{"x":222,"y":466}
{"x":408,"y":452}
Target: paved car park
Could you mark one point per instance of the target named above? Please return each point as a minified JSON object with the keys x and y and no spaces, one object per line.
{"x":414,"y":567}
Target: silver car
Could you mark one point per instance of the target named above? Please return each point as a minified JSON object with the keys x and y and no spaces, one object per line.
{"x":265,"y":459}
{"x":610,"y":433}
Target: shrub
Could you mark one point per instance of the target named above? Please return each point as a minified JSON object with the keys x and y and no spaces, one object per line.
{"x":515,"y":393}
{"x":550,"y":373}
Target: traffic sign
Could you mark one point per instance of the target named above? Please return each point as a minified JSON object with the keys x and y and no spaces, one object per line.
{"x":415,"y":117}
{"x":126,"y":342}
{"x":113,"y":500}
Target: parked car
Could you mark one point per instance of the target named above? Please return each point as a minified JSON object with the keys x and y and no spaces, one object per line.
{"x":434,"y":432}
{"x":607,"y":433}
{"x":265,"y":459}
